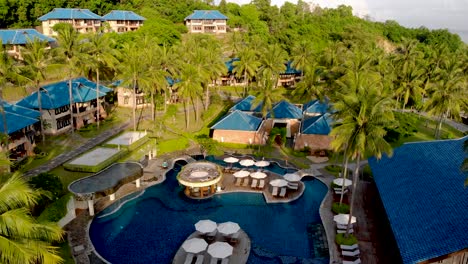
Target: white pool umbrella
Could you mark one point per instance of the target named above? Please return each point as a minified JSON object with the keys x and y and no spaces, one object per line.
{"x":342,"y":219}
{"x":228,"y":228}
{"x":292,"y":177}
{"x":231,"y":160}
{"x":258,"y":175}
{"x":241,"y":174}
{"x":278,"y":183}
{"x":262,"y":163}
{"x":205,"y":226}
{"x":220,"y":250}
{"x":247,"y":162}
{"x":194,"y":245}
{"x":340,"y":182}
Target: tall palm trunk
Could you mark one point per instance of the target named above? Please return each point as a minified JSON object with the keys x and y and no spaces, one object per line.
{"x":97,"y":98}
{"x":70,"y":97}
{"x":134,"y":104}
{"x":439,"y":125}
{"x":39,"y":104}
{"x":353,"y":195}
{"x":246,"y":84}
{"x":207,"y":96}
{"x":345,"y":171}
{"x":187,"y":114}
{"x":165,"y":101}
{"x":152,"y":106}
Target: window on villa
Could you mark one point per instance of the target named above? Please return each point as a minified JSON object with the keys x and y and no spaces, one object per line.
{"x":62,"y":109}
{"x":140,"y":100}
{"x":221,"y":28}
{"x":126,"y":98}
{"x":63,"y":122}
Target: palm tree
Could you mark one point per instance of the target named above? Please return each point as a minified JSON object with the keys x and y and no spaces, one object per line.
{"x":189,"y":88}
{"x":246,"y":66}
{"x":37,"y":61}
{"x":69,"y":47}
{"x":132,"y":71}
{"x":362,"y":112}
{"x":7,"y":69}
{"x":22,"y":238}
{"x":215,"y":67}
{"x":101,"y":55}
{"x":272,"y":63}
{"x":311,"y":85}
{"x":302,"y":55}
{"x":449,"y":93}
{"x":410,"y":82}
{"x":267,"y":95}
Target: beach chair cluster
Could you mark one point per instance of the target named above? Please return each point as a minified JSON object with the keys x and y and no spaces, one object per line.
{"x":339,"y":191}
{"x":255,"y":184}
{"x":279,"y":192}
{"x":194,"y":259}
{"x":293,"y":185}
{"x":219,"y":261}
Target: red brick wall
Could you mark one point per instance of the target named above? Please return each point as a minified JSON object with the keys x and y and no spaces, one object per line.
{"x":236,"y":136}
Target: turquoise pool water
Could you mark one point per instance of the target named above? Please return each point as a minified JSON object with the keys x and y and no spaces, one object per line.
{"x":151,"y":227}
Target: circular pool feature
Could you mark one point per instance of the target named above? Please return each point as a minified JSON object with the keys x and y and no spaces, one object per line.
{"x":200,"y":179}
{"x":151,"y":228}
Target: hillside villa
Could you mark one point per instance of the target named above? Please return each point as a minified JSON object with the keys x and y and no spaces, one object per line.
{"x":56,"y":104}
{"x":123,"y":21}
{"x":206,"y":21}
{"x":14,"y":39}
{"x":20,"y":128}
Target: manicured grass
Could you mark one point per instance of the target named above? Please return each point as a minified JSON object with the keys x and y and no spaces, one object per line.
{"x":334,"y":169}
{"x":172,"y":145}
{"x":91,"y":130}
{"x":56,"y":210}
{"x":67,"y":177}
{"x":341,"y":239}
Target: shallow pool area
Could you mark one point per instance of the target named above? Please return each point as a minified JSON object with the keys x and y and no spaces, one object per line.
{"x":150,"y":226}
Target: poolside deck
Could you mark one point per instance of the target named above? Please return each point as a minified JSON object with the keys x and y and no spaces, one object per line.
{"x":240,"y":253}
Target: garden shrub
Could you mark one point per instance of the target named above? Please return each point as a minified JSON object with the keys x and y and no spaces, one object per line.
{"x":52,"y":187}
{"x":367,"y":173}
{"x":55,"y":211}
{"x":37,"y":150}
{"x":337,"y":209}
{"x":281,"y":131}
{"x":334,"y":168}
{"x":341,"y":239}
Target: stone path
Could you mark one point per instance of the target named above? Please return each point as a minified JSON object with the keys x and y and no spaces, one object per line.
{"x":66,"y":156}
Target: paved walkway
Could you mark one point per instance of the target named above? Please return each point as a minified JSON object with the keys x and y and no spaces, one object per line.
{"x":66,"y":156}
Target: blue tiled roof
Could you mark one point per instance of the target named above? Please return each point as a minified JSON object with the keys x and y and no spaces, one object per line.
{"x":316,"y":125}
{"x":22,"y":36}
{"x":421,"y":188}
{"x":56,"y":95}
{"x":171,"y":81}
{"x":229,"y":64}
{"x":206,"y":14}
{"x":246,"y":105}
{"x":122,"y":15}
{"x":290,"y":69}
{"x":316,"y":106}
{"x":285,"y":109}
{"x":18,"y":117}
{"x":238,"y":120}
{"x":69,"y":13}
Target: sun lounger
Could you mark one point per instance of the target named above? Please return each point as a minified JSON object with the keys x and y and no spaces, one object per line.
{"x":214,"y":261}
{"x":261,"y":185}
{"x":225,"y":261}
{"x":283,"y":192}
{"x":254,"y":183}
{"x":354,"y":253}
{"x":338,"y":191}
{"x":293,"y":186}
{"x":357,"y":261}
{"x":238,"y":181}
{"x":246,"y":182}
{"x":200,"y":259}
{"x":343,"y":226}
{"x":274,"y":192}
{"x":189,"y":258}
{"x":349,"y":248}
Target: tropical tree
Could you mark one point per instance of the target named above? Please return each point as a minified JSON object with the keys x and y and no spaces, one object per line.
{"x":189,"y":88}
{"x":449,"y":93}
{"x":37,"y":61}
{"x":215,"y":67}
{"x":70,"y":48}
{"x":22,"y":238}
{"x":246,"y":66}
{"x":312,"y":84}
{"x":362,"y":113}
{"x":132,"y":72}
{"x":7,"y":69}
{"x":272,"y":63}
{"x":101,"y":55}
{"x":267,"y":95}
{"x":302,"y":56}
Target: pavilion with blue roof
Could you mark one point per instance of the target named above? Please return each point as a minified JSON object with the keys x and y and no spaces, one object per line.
{"x":206,"y":21}
{"x":316,"y":107}
{"x":246,"y":105}
{"x":314,"y":133}
{"x":20,"y":125}
{"x":123,"y":21}
{"x":421,"y":187}
{"x":82,"y":20}
{"x":55,"y":103}
{"x":238,"y":127}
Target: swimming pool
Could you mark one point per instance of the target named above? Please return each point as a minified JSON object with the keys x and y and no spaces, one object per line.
{"x":151,"y":227}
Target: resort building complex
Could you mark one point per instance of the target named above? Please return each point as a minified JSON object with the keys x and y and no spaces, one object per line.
{"x":206,"y":21}
{"x":14,"y":39}
{"x":123,"y":21}
{"x":84,"y":21}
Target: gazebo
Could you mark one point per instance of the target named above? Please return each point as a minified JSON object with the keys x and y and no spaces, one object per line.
{"x":200,"y":179}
